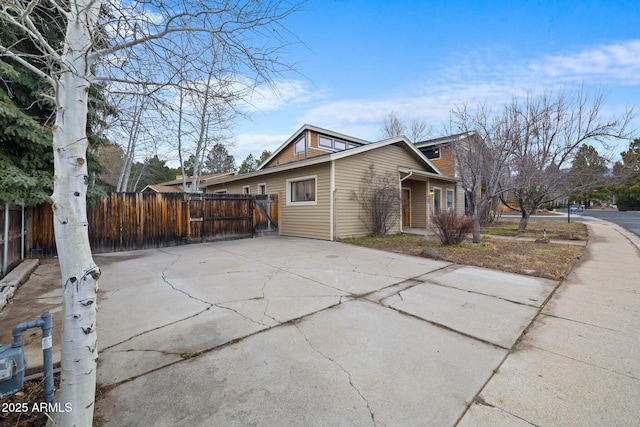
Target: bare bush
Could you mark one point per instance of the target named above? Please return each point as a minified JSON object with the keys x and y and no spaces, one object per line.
{"x":380,"y":199}
{"x":451,"y":228}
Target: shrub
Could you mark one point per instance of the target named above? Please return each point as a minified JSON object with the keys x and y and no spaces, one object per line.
{"x":451,"y":228}
{"x":380,"y":200}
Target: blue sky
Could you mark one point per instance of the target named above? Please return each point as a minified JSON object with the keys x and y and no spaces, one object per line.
{"x":363,"y":59}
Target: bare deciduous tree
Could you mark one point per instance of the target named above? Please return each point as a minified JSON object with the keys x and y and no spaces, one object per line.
{"x":547,"y":134}
{"x":418,"y":130}
{"x":392,"y":126}
{"x":126,"y":41}
{"x":482,"y":158}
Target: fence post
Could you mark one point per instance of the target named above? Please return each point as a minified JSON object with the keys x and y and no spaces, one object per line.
{"x":5,"y":246}
{"x":22,"y":236}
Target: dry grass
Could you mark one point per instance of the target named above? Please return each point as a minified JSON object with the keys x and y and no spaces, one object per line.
{"x":548,"y":260}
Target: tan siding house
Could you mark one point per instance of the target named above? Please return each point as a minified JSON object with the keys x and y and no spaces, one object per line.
{"x":316,"y":172}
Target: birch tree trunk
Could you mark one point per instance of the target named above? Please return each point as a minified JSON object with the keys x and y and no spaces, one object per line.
{"x":79,"y":353}
{"x":252,"y":37}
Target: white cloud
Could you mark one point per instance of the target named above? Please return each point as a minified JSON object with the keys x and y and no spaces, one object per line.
{"x":617,"y":63}
{"x":483,"y":77}
{"x":255,"y":144}
{"x":284,"y":93}
{"x":472,"y":80}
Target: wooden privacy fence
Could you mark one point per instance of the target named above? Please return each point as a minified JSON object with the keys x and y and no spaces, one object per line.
{"x":128,"y":221}
{"x":13,"y":225}
{"x":221,"y":216}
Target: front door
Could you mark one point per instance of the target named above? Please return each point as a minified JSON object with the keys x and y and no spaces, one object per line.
{"x":406,"y":207}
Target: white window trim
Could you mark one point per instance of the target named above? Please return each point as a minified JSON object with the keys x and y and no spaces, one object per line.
{"x":433,"y":198}
{"x":453,"y":199}
{"x":261,"y":186}
{"x":246,"y":189}
{"x":297,"y":179}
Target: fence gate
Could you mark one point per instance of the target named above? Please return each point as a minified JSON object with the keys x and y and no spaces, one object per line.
{"x":221,"y":216}
{"x":266,"y":215}
{"x":12,"y":237}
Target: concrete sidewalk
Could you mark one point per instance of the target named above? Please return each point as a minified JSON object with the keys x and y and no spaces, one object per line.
{"x":299,"y":332}
{"x":578,"y":364}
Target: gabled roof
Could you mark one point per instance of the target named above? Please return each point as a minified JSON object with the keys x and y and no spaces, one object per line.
{"x":305,"y":128}
{"x":445,"y":139}
{"x":401,"y":141}
{"x":158,"y":188}
{"x":203,"y":178}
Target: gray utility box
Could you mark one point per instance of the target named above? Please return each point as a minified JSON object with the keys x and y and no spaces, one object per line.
{"x":12,"y":366}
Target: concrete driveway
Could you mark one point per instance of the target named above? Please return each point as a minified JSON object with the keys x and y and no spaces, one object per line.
{"x":285,"y":331}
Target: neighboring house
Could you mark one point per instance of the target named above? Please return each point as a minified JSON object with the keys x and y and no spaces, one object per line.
{"x":316,"y":172}
{"x":176,"y":185}
{"x":440,"y":151}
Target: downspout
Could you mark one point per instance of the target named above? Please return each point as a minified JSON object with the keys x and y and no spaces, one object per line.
{"x":408,"y":176}
{"x":332,"y":207}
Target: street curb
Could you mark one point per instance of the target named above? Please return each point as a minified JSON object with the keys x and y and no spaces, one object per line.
{"x":15,"y":278}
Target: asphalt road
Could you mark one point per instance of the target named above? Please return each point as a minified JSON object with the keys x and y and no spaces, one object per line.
{"x":629,"y":220}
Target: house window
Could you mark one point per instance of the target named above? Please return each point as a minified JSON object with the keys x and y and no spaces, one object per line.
{"x":302,"y":190}
{"x":246,"y":189}
{"x":335,"y":144}
{"x":449,"y":200}
{"x":300,"y":145}
{"x":325,"y":142}
{"x":437,"y":199}
{"x":262,"y":188}
{"x":432,"y":153}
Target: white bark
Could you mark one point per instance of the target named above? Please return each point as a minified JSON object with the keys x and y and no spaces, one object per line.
{"x":79,"y":272}
{"x":248,"y":31}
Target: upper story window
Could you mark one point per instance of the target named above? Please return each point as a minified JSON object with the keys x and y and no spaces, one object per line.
{"x":325,"y":142}
{"x":333,"y":144}
{"x":300,"y":145}
{"x":432,"y":152}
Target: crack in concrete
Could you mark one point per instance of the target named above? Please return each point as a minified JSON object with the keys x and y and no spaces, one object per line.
{"x":146,"y":350}
{"x":579,"y":322}
{"x":485,"y":294}
{"x":156,"y":328}
{"x":266,"y":307}
{"x":245,"y":316}
{"x":480,"y":401}
{"x":165,"y":280}
{"x":573,"y":359}
{"x":342,"y":368}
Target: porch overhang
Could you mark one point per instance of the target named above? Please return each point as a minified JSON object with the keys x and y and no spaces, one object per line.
{"x":421,"y":175}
